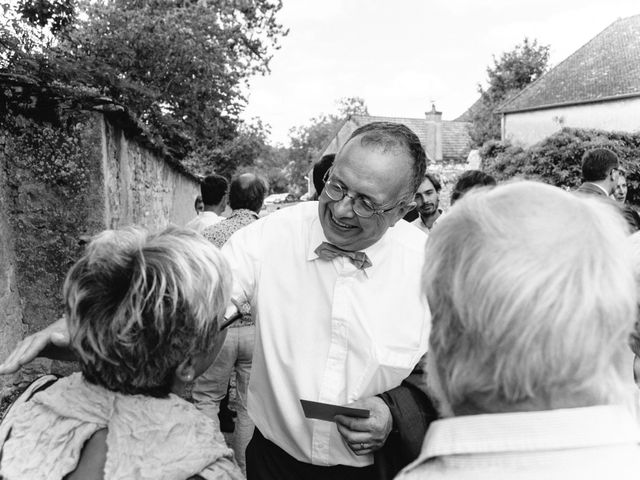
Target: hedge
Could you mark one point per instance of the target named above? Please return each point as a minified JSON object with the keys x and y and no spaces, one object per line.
{"x":557,"y":159}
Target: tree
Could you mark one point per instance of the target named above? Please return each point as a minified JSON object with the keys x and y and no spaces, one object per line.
{"x":53,"y":15}
{"x":309,"y":141}
{"x":177,"y":65}
{"x":273,"y":165}
{"x":242,"y":150}
{"x":509,"y":75}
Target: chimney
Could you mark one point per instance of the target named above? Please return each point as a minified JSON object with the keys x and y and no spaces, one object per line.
{"x":434,"y":134}
{"x":433,"y":115}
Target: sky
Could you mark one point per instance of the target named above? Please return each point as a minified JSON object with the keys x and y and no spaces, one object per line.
{"x":402,"y":55}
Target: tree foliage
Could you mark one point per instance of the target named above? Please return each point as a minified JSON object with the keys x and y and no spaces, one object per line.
{"x":557,"y":160}
{"x":509,"y":74}
{"x":54,"y":15}
{"x":177,"y":65}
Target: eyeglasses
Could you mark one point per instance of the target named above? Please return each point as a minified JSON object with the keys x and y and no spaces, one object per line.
{"x":361,"y":206}
{"x":227,"y":322}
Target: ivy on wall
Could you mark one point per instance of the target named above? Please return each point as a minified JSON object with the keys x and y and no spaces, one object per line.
{"x":52,"y":172}
{"x":53,"y":155}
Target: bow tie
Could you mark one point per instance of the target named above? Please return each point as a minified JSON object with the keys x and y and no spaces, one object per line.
{"x":328,"y":251}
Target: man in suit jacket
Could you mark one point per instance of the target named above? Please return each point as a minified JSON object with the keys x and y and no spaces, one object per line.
{"x":600,"y":174}
{"x":600,"y":171}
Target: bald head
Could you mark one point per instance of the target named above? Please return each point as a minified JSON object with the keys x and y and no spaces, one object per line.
{"x":247,"y":191}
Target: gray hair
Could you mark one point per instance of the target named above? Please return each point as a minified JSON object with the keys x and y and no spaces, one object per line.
{"x":532,"y":296}
{"x":139,"y":304}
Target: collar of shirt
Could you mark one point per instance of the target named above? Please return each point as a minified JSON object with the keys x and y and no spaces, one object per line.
{"x":530,"y":431}
{"x":209,"y":214}
{"x":243,"y":212}
{"x":420,"y":224}
{"x":316,"y":237}
{"x":600,"y":187}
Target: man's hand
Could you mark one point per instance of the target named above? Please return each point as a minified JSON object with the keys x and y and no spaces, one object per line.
{"x":55,"y":334}
{"x":366,"y":435}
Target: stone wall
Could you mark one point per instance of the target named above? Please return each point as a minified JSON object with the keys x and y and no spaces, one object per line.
{"x":140,"y":188}
{"x":59,"y":185}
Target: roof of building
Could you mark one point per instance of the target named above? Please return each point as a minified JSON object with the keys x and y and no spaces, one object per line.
{"x":467,"y":115}
{"x":455,"y":137}
{"x":606,"y":67}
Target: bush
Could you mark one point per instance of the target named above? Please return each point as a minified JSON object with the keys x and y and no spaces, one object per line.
{"x":557,"y":159}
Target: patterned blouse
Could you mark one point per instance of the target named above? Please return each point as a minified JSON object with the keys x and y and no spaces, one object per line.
{"x":219,"y":233}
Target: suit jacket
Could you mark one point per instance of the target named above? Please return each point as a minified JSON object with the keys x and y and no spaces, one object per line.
{"x":591,"y":189}
{"x":629,"y":214}
{"x":412,"y":412}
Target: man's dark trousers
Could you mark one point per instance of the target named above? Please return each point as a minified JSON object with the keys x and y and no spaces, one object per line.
{"x":267,"y":461}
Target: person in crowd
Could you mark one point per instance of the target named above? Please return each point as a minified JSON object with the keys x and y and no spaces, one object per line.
{"x":634,"y":341}
{"x":340,"y":319}
{"x":469,"y":180}
{"x":332,"y":341}
{"x":620,"y":192}
{"x":528,"y":360}
{"x":428,"y":203}
{"x":143,"y":314}
{"x":214,"y":197}
{"x":320,"y":170}
{"x":198,"y":205}
{"x":246,"y":195}
{"x":620,"y":195}
{"x":600,"y":172}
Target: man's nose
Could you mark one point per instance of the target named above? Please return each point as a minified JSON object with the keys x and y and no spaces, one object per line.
{"x":344,"y":208}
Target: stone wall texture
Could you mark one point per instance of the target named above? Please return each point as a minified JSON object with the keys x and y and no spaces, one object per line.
{"x":45,"y":221}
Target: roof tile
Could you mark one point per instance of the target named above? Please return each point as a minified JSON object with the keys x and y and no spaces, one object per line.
{"x":456,"y":142}
{"x":606,"y":66}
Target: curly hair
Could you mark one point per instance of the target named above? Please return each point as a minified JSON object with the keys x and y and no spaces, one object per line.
{"x":139,"y":304}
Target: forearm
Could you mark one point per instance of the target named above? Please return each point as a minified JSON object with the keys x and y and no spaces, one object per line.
{"x":38,"y":344}
{"x":53,"y":352}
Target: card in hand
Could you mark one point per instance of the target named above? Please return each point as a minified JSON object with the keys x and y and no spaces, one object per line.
{"x":326,"y":411}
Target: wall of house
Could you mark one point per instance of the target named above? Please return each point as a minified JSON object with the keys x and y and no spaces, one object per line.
{"x":58,"y":187}
{"x":527,"y":128}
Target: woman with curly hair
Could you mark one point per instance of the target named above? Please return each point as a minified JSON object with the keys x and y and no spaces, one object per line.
{"x":143,"y":313}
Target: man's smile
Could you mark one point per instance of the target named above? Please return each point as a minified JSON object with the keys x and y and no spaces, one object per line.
{"x":340,"y":224}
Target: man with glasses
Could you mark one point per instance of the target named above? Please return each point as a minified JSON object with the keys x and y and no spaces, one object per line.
{"x":427,"y":201}
{"x":340,"y":317}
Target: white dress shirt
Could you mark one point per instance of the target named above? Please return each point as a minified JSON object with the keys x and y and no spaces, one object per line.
{"x":203,"y":221}
{"x":420,"y":224}
{"x":326,"y":331}
{"x":575,"y":443}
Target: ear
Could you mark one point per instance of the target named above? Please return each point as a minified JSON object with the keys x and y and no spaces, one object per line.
{"x":401,"y":212}
{"x":185,"y":371}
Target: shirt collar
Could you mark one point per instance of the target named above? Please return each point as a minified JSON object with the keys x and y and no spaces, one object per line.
{"x":244,"y":212}
{"x":419,"y":219}
{"x":530,"y":431}
{"x":600,"y":187}
{"x":374,"y":252}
